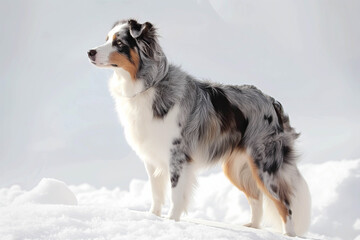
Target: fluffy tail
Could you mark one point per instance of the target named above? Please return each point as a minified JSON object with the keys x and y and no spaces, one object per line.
{"x":300,"y":205}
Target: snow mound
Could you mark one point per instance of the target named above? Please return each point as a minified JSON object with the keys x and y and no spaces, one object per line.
{"x":335,"y":190}
{"x":48,"y":191}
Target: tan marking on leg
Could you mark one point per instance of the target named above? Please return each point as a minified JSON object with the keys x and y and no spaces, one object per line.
{"x":122,"y":61}
{"x":236,"y":169}
{"x":227,"y":171}
{"x":279,"y":205}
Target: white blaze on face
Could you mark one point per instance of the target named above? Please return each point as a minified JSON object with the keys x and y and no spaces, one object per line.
{"x":104,"y":51}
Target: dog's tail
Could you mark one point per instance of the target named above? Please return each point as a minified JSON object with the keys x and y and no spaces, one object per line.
{"x":300,"y":205}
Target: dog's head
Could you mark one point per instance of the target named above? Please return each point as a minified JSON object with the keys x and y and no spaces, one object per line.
{"x":128,"y":45}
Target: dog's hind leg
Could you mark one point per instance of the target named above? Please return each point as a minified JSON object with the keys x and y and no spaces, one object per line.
{"x":237,"y":170}
{"x":256,"y":211}
{"x":273,"y":177}
{"x":183,"y":180}
{"x":158,"y":180}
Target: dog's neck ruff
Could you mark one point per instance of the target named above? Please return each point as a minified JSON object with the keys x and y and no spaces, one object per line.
{"x":136,"y":94}
{"x":143,"y":91}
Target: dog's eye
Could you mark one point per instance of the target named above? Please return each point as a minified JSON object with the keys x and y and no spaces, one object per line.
{"x":118,"y":42}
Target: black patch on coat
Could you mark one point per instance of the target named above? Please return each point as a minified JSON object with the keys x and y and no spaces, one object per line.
{"x":229,"y":115}
{"x":257,"y":162}
{"x":274,"y":188}
{"x":270,"y":163}
{"x":187,"y":158}
{"x":286,"y":150}
{"x":290,"y":212}
{"x":130,"y":40}
{"x":276,"y":154}
{"x":286,"y":153}
{"x":271,"y":166}
{"x":279,"y":113}
{"x":134,"y":24}
{"x":283,"y":119}
{"x":178,"y":156}
{"x":268,"y":118}
{"x":176,"y":141}
{"x":125,"y":36}
{"x":287,"y":203}
{"x":174,"y":179}
{"x":178,"y":159}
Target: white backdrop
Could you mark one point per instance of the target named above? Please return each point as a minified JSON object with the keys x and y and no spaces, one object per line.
{"x":58,"y":119}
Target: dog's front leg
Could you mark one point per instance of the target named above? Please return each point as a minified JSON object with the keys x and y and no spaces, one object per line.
{"x":158,"y":180}
{"x":183,"y":179}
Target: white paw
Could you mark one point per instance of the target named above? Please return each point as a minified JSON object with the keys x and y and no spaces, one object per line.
{"x":173,"y":215}
{"x":252,"y":225}
{"x":175,"y":218}
{"x":155,"y":211}
{"x":290,"y":234}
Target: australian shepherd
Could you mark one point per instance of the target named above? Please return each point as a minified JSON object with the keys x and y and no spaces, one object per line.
{"x":177,"y":124}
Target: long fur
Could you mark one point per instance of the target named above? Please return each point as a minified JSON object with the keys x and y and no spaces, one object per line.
{"x":178,"y":124}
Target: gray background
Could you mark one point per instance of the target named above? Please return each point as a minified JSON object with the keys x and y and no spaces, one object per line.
{"x":57,"y":118}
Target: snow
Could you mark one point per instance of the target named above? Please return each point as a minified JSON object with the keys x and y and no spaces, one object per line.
{"x":110,"y":222}
{"x":335,"y":188}
{"x":357,"y":224}
{"x":48,"y":191}
{"x":53,"y":210}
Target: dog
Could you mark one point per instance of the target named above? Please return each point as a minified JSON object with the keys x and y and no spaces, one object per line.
{"x":178,"y":124}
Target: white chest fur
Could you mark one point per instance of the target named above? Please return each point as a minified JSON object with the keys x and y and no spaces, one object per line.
{"x":151,"y":138}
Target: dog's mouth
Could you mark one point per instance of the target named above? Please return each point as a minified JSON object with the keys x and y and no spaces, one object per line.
{"x":103,"y":64}
{"x":98,"y":63}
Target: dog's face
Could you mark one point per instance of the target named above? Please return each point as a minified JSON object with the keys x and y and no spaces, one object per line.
{"x":123,"y":46}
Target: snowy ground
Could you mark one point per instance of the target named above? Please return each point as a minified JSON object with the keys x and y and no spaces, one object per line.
{"x":53,"y":210}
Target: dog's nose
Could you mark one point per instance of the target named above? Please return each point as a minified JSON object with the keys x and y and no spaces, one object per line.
{"x":92,"y":54}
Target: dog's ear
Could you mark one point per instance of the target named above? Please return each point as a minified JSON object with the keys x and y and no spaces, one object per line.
{"x":138,"y":30}
{"x":146,"y":37}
